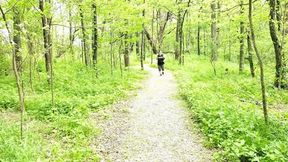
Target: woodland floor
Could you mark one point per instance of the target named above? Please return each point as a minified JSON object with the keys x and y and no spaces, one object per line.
{"x":152,"y":126}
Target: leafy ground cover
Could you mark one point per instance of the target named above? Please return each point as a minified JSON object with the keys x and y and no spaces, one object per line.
{"x":227,"y":109}
{"x":61,"y":132}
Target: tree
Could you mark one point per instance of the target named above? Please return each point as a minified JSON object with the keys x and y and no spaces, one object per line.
{"x":142,"y":41}
{"x":95,"y":34}
{"x":250,"y":55}
{"x":241,"y":37}
{"x":214,"y":47}
{"x":274,"y":17}
{"x":15,"y":46}
{"x":46,"y":25}
{"x":262,"y":77}
{"x":84,"y":38}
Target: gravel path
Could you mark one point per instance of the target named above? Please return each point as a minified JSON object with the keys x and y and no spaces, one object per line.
{"x":153,"y":126}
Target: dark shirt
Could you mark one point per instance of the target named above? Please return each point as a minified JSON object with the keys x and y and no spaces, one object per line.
{"x":160,"y":60}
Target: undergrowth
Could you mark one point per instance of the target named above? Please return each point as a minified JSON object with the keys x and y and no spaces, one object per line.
{"x":59,"y":131}
{"x":227,"y":108}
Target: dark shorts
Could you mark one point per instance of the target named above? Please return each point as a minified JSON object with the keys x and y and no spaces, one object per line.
{"x":161,"y":67}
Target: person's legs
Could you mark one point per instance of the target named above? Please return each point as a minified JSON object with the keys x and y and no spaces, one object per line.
{"x":160,"y":68}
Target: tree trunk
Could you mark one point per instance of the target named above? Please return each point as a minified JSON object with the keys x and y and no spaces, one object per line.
{"x":84,"y":38}
{"x":17,"y":62}
{"x":198,"y":40}
{"x":142,"y":41}
{"x":30,"y":47}
{"x":214,"y":49}
{"x":46,"y":22}
{"x":15,"y":52}
{"x":262,"y":80}
{"x":241,"y":37}
{"x":126,"y":50}
{"x":250,"y":56}
{"x":152,"y":34}
{"x":120,"y":61}
{"x":162,"y":30}
{"x":177,"y":37}
{"x":151,"y":42}
{"x":276,"y":43}
{"x":138,"y":45}
{"x":95,"y":35}
{"x":111,"y":51}
{"x":17,"y":38}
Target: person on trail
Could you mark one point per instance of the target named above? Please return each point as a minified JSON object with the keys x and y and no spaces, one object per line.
{"x":160,"y":62}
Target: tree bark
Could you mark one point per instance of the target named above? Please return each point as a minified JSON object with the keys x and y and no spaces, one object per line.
{"x":17,"y":38}
{"x":84,"y":39}
{"x":198,"y":40}
{"x":138,"y":44}
{"x":214,"y":49}
{"x":46,"y":25}
{"x":241,"y":37}
{"x":18,"y":77}
{"x":126,"y":50}
{"x":30,"y":47}
{"x":262,"y":77}
{"x":177,"y":37}
{"x":152,"y":34}
{"x":276,"y":43}
{"x":250,"y":56}
{"x":151,"y":42}
{"x":95,"y":35}
{"x":142,"y":41}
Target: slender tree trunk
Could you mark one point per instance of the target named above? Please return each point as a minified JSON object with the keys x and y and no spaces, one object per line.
{"x":262,"y":80}
{"x":17,"y":38}
{"x":95,"y":35}
{"x":152,"y":34}
{"x":137,"y":44}
{"x":84,"y":39}
{"x":250,"y":56}
{"x":198,"y":40}
{"x":126,"y":50}
{"x":162,"y":28}
{"x":284,"y":71}
{"x":120,"y":61}
{"x":229,"y":42}
{"x":17,"y":63}
{"x":177,"y":41}
{"x":111,"y":51}
{"x":204,"y":42}
{"x":142,"y":41}
{"x":70,"y":28}
{"x":16,"y":52}
{"x":276,"y":43}
{"x":46,"y":25}
{"x":46,"y":35}
{"x":241,"y":37}
{"x":151,"y":42}
{"x":30,"y":47}
{"x":214,"y":49}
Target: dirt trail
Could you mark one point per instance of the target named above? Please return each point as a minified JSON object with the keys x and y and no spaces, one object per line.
{"x":153,"y":126}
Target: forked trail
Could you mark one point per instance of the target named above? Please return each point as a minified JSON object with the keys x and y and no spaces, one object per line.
{"x":153,"y":126}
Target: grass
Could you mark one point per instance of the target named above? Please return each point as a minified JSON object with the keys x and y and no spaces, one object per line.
{"x":227,"y":109}
{"x":61,"y":132}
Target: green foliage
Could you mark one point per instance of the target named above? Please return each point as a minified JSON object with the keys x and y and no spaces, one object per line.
{"x":4,"y":65}
{"x":227,"y":108}
{"x":62,"y":131}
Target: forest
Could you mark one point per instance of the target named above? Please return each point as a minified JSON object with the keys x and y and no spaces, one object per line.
{"x":63,"y":62}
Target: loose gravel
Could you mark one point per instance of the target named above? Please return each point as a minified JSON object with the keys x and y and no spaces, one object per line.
{"x":153,"y":126}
